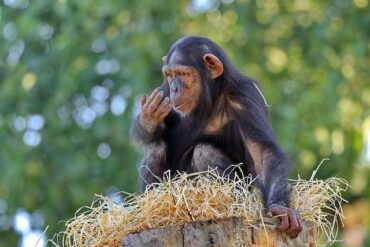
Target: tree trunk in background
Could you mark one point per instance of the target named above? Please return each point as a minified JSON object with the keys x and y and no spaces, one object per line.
{"x":229,"y":232}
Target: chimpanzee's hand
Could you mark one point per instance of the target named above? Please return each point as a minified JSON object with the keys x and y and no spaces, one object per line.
{"x":290,"y":219}
{"x":154,"y":110}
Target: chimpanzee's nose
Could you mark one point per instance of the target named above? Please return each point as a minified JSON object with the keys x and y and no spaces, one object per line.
{"x":175,"y":86}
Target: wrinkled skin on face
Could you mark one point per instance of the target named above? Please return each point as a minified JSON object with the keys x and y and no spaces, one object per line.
{"x":185,"y":87}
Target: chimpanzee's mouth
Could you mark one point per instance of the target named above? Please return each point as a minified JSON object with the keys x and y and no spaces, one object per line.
{"x":180,"y":105}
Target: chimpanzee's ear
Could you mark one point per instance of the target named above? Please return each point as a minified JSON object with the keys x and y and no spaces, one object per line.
{"x":164,"y":59}
{"x":214,"y":65}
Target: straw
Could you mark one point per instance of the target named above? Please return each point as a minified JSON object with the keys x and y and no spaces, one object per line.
{"x":199,"y":197}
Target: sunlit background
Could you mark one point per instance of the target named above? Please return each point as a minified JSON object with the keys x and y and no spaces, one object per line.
{"x":71,"y":74}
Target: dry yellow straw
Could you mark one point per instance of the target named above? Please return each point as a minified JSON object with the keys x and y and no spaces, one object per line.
{"x":198,"y":197}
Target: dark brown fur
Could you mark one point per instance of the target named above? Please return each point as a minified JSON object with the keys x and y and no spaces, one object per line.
{"x":229,"y":125}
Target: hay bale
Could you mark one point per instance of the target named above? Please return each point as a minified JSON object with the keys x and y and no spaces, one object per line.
{"x":202,"y":197}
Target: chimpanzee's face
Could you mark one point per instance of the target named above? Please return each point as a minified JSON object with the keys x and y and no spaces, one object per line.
{"x":185,"y":82}
{"x":185,"y":88}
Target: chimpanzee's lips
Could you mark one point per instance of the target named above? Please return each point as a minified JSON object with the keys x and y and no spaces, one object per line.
{"x":178,"y":106}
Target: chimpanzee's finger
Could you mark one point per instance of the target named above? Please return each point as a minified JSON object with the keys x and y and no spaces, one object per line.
{"x":143,"y":100}
{"x":166,"y":112}
{"x":284,"y":224}
{"x":156,"y":101}
{"x":162,"y":107}
{"x":293,"y":234}
{"x":293,"y":224}
{"x":299,"y":220}
{"x":154,"y":93}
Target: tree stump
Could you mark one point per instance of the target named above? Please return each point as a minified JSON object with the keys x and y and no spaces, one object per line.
{"x":221,"y":233}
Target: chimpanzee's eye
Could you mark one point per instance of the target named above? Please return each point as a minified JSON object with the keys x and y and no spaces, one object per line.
{"x":183,"y":74}
{"x":167,"y":74}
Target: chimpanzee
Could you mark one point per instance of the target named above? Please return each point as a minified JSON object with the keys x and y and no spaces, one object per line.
{"x":208,"y":114}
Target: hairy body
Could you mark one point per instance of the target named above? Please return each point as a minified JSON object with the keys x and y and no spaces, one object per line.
{"x":208,"y":114}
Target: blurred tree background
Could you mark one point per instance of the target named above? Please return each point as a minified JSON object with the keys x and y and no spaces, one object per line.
{"x":71,"y":74}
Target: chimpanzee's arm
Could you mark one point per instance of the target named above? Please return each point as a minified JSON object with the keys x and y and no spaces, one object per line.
{"x":146,"y":133}
{"x":147,"y":130}
{"x":270,"y":163}
{"x":154,"y":157}
{"x":271,"y":166}
{"x":154,"y":162}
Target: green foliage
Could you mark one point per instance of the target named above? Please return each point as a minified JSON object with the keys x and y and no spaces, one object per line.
{"x":64,"y":64}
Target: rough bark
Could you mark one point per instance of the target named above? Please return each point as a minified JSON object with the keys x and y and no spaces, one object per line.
{"x":229,"y":232}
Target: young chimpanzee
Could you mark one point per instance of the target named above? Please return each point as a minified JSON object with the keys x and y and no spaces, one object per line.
{"x":208,"y":114}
